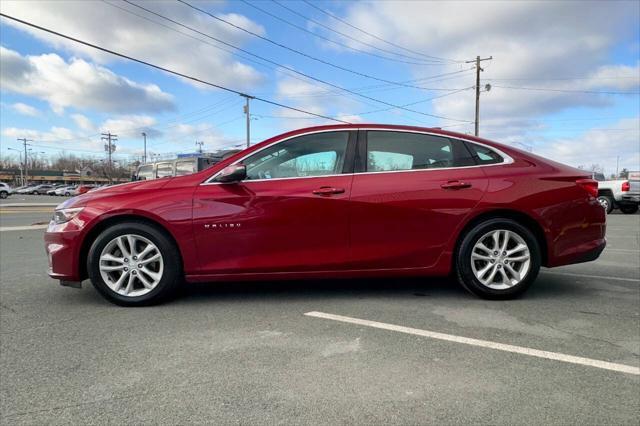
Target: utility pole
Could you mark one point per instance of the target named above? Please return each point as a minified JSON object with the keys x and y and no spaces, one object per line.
{"x":617,"y":167}
{"x":21,"y":165}
{"x":478,"y":69}
{"x":247,"y":112}
{"x":26,"y":167}
{"x":144,"y":158}
{"x":110,"y":147}
{"x":200,"y":146}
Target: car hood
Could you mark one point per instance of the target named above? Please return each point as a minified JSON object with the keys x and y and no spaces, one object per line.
{"x":84,"y":199}
{"x":140,"y":185}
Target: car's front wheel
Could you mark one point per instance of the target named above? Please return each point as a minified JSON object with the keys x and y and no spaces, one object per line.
{"x":4,"y":194}
{"x":498,"y":259}
{"x":134,"y":264}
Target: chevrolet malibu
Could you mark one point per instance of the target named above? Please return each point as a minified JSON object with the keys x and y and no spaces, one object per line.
{"x":335,"y":201}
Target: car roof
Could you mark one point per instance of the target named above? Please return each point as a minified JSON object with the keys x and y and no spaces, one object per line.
{"x":378,"y":126}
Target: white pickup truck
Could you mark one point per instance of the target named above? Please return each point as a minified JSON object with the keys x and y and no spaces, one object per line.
{"x":623,"y":194}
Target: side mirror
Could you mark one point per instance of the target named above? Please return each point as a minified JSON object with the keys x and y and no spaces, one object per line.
{"x":232,"y":173}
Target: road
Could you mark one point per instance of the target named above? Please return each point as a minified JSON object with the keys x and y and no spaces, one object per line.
{"x":248,"y":354}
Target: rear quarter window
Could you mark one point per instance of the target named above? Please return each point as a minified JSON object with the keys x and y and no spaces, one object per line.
{"x":484,"y":155}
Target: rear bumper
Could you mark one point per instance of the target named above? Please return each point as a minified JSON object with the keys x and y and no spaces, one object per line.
{"x":630,"y":199}
{"x":586,"y":252}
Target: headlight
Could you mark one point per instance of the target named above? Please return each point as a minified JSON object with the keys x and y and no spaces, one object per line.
{"x":65,"y":215}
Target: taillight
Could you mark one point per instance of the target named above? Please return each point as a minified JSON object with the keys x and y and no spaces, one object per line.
{"x":626,"y":186}
{"x":589,"y":185}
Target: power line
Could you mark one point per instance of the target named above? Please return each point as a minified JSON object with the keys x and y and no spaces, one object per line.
{"x":306,"y":55}
{"x":373,"y":35}
{"x":384,"y":87}
{"x":331,"y":64}
{"x":277,"y":65}
{"x":246,"y":58}
{"x":257,"y":56}
{"x":438,"y":62}
{"x":121,"y":55}
{"x":542,"y":89}
{"x":218,"y":125}
{"x":162,"y":125}
{"x":373,"y":111}
{"x":562,"y":78}
{"x":416,"y":102}
{"x":337,"y":43}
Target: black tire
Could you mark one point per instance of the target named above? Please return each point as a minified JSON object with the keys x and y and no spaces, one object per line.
{"x":4,"y":194}
{"x":606,"y":202}
{"x":629,"y":208}
{"x":67,"y":194}
{"x":172,"y":273}
{"x":463,"y":269}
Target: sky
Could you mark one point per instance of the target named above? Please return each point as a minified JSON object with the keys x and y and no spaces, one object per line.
{"x":564,"y":75}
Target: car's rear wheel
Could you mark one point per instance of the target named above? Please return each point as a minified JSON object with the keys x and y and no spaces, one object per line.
{"x":498,"y":259}
{"x":134,"y":264}
{"x":4,"y":194}
{"x":629,"y":208}
{"x":606,"y":202}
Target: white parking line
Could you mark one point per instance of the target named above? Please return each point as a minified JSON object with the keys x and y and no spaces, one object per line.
{"x":622,"y":368}
{"x":622,"y":250}
{"x":28,"y":204}
{"x":22,"y":228}
{"x":600,"y":277}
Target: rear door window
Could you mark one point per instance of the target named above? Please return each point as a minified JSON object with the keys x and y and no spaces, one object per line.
{"x":393,"y":151}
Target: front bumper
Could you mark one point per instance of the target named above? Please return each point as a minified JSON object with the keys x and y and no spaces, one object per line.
{"x":62,"y":251}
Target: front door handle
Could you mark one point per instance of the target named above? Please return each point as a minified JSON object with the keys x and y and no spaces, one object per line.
{"x":455,"y":184}
{"x":328,"y":190}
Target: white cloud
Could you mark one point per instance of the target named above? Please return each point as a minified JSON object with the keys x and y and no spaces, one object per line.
{"x":313,"y":98}
{"x":105,"y":25}
{"x":599,"y":145}
{"x":533,"y":42}
{"x":25,"y":109}
{"x":620,"y":77}
{"x":83,"y":122}
{"x":131,"y":126}
{"x":78,"y":83}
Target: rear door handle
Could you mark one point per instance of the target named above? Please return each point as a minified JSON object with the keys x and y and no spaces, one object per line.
{"x":328,"y":190}
{"x":455,"y":184}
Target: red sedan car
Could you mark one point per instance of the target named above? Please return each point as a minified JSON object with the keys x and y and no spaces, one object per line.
{"x":335,"y":201}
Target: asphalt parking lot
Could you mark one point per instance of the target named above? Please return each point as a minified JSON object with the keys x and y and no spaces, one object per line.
{"x":300,"y":352}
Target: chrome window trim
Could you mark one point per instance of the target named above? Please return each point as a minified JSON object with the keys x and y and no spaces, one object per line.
{"x":507,"y":159}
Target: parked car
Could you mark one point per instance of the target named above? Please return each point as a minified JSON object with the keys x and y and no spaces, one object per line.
{"x":26,"y":189}
{"x":5,"y":190}
{"x":65,"y":190}
{"x":614,"y":194}
{"x":335,"y":201}
{"x":181,"y":166}
{"x":40,"y":189}
{"x":631,"y":199}
{"x":81,"y":189}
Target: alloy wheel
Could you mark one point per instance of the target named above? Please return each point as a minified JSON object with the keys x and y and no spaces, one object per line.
{"x":604,"y":202}
{"x":131,"y":265}
{"x":500,"y":259}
